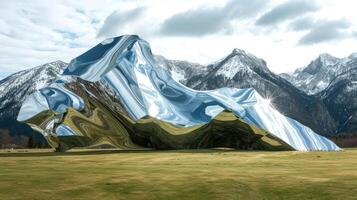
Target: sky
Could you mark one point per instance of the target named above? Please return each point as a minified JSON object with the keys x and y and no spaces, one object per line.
{"x":286,"y":33}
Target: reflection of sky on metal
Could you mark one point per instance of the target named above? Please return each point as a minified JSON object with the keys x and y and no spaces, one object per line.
{"x":33,"y":105}
{"x":59,"y":98}
{"x":64,"y":130}
{"x":125,"y":65}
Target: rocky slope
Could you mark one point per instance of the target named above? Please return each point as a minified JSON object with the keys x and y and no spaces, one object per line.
{"x":334,"y":81}
{"x":320,"y":73}
{"x":181,"y":71}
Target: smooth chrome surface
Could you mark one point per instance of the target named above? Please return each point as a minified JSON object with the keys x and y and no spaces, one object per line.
{"x":125,"y":65}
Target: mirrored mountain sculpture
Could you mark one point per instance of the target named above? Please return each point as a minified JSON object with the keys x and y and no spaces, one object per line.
{"x":116,"y":94}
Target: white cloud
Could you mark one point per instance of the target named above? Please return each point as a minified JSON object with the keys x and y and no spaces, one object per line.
{"x":118,"y":21}
{"x":287,"y":10}
{"x":208,"y":20}
{"x":35,"y":32}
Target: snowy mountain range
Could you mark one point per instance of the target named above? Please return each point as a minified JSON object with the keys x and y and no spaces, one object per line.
{"x":321,"y":95}
{"x":320,"y":73}
{"x":243,"y":70}
{"x":334,"y":81}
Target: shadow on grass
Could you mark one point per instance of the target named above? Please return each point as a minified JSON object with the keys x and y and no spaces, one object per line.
{"x":115,"y":151}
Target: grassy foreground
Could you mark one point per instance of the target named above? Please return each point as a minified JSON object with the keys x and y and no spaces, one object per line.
{"x":202,"y":174}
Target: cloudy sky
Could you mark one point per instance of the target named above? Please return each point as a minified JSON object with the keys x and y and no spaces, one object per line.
{"x":287,"y":34}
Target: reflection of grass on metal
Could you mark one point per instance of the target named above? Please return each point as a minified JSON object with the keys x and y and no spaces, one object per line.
{"x":106,"y":127}
{"x":104,"y":122}
{"x":225,"y":130}
{"x":100,"y":126}
{"x":40,"y":123}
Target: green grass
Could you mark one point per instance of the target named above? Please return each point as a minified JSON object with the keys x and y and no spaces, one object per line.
{"x":169,"y":175}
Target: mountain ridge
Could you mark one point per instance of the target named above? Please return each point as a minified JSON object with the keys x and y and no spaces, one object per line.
{"x":253,"y":72}
{"x":204,"y":77}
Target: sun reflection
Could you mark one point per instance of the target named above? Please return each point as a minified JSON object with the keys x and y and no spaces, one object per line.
{"x":266,"y":101}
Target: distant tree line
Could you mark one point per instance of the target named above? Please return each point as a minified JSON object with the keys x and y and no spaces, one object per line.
{"x":8,"y":141}
{"x":345,"y":140}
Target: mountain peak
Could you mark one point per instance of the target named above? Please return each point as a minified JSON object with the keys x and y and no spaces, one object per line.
{"x":54,"y":65}
{"x":353,"y":56}
{"x":327,"y":59}
{"x":324,"y":60}
{"x":248,"y":59}
{"x":326,"y":55}
{"x":238,"y":51}
{"x":240,"y":61}
{"x":58,"y":62}
{"x":317,"y":76}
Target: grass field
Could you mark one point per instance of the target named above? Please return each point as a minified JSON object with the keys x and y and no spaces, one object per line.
{"x":169,"y":175}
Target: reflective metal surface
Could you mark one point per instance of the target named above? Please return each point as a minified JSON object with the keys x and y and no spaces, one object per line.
{"x":126,"y":67}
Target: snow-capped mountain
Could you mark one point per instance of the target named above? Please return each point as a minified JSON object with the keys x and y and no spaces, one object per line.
{"x":181,"y":71}
{"x":243,"y":70}
{"x":334,"y":81}
{"x":321,"y":95}
{"x":319,"y":74}
{"x":16,"y":87}
{"x":14,"y":90}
